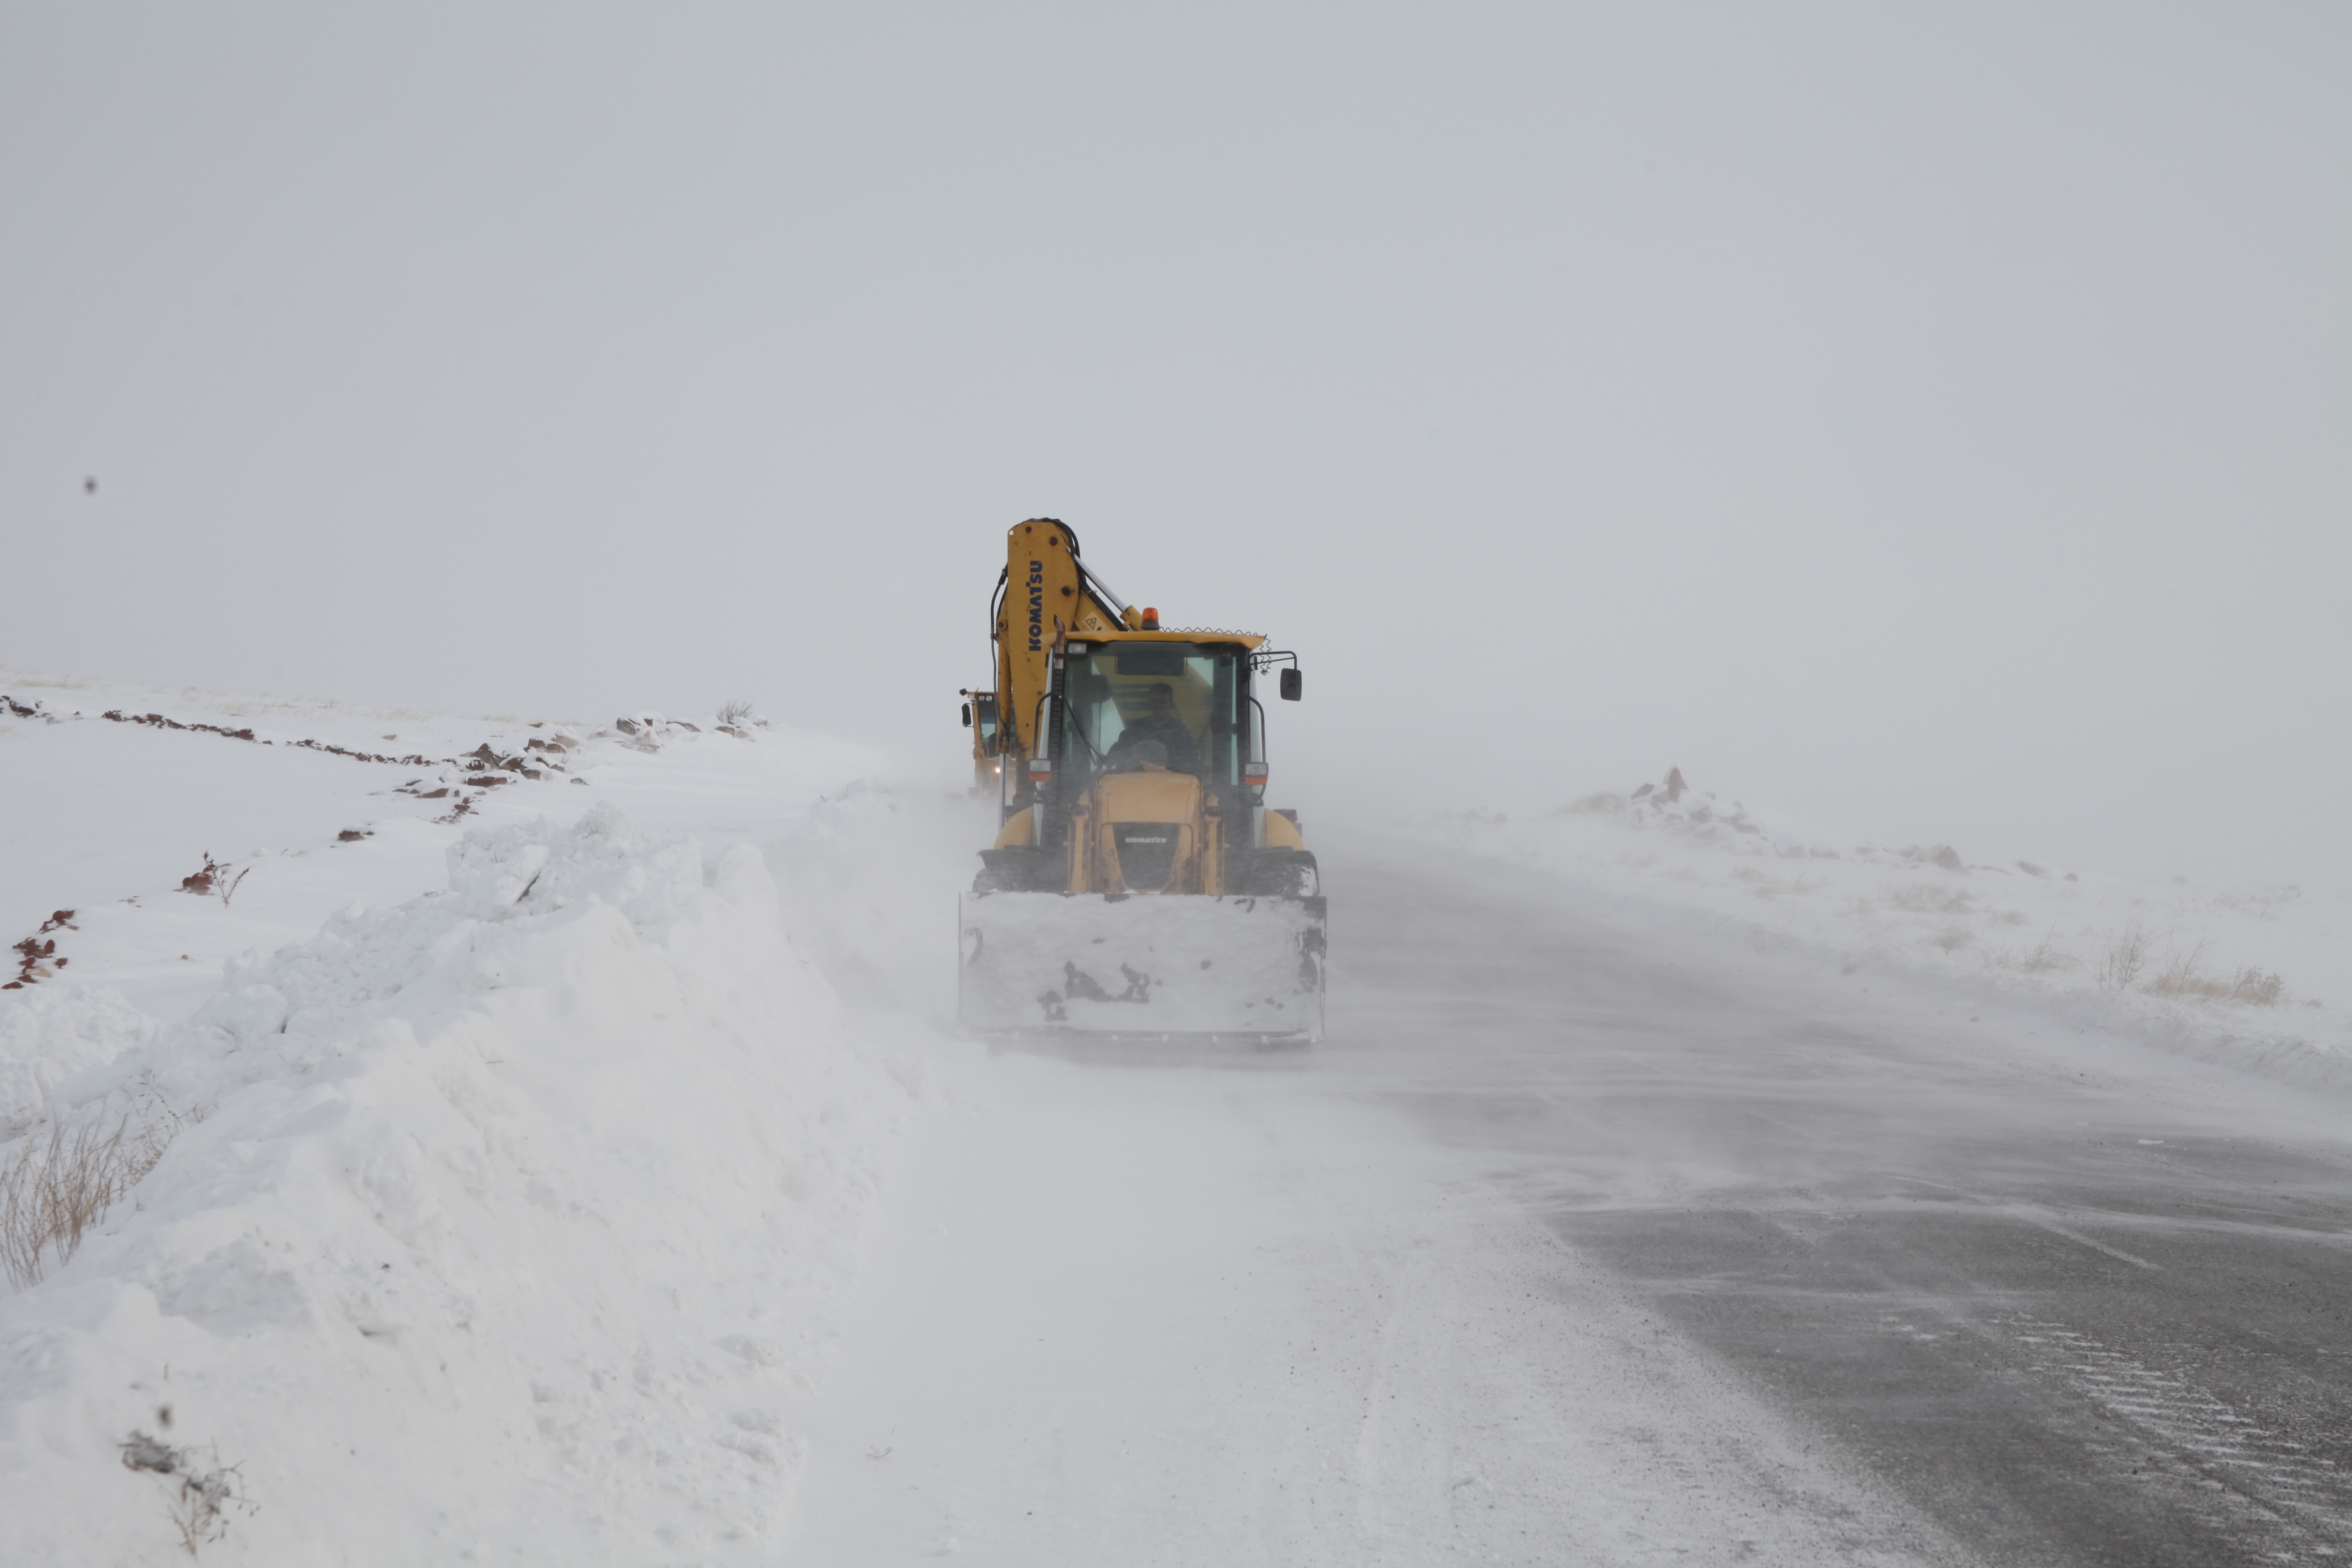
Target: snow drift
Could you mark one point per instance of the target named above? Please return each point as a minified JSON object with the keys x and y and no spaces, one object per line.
{"x":499,"y":1225}
{"x":2252,"y":978}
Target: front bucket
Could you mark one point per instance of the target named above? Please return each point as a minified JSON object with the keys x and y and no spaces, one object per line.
{"x":1142,"y":965}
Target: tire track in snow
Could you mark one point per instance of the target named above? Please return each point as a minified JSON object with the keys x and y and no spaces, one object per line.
{"x":2243,"y":1474}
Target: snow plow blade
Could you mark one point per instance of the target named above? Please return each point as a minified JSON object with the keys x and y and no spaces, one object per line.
{"x":1142,"y":967}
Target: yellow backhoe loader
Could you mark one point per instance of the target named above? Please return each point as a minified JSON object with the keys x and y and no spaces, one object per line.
{"x":1138,"y":886}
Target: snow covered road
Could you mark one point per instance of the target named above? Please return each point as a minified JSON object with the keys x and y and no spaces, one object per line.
{"x":1583,"y":1241}
{"x":2076,"y":1300}
{"x":1183,"y":1314}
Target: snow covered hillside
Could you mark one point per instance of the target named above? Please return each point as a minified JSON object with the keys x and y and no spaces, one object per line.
{"x":466,"y":1166}
{"x":2253,"y":977}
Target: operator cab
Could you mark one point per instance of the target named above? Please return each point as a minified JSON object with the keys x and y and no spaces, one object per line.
{"x":980,"y":717}
{"x":1128,"y":707}
{"x":1147,"y":701}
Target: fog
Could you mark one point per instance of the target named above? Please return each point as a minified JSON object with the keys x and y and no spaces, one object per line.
{"x":1930,"y":422}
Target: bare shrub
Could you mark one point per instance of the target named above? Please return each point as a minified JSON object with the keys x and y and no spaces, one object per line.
{"x":213,"y":878}
{"x":207,"y":1491}
{"x":1927,"y":899}
{"x":55,"y":1189}
{"x":2127,"y":957}
{"x":734,"y":713}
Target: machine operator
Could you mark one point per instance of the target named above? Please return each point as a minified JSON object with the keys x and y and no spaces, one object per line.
{"x":1157,"y":738}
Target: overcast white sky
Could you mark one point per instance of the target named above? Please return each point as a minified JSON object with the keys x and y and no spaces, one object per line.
{"x":1936,"y":421}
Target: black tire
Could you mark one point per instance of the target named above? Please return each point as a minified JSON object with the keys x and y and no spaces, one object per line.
{"x":1281,"y":874}
{"x":1009,"y":870}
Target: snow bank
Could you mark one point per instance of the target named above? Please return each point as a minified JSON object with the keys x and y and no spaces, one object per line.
{"x":2254,"y":978}
{"x":501,"y":1224}
{"x":47,"y":1033}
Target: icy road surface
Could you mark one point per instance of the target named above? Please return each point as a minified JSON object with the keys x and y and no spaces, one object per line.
{"x":1587,"y":1241}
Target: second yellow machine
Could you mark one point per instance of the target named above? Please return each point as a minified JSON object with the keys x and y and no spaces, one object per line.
{"x":1138,"y":886}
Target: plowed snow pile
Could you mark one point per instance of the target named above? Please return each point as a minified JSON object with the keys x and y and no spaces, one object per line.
{"x":499,"y":1225}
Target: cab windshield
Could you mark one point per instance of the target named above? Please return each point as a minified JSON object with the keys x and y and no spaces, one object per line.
{"x":1133,"y":706}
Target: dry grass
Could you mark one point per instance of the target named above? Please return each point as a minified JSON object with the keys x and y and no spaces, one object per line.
{"x":2183,"y":977}
{"x":2039,"y":959}
{"x":1927,"y":899}
{"x":55,"y":1189}
{"x":2048,"y":955}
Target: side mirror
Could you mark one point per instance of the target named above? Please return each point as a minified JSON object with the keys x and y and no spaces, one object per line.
{"x":1290,"y":684}
{"x":967,"y":715}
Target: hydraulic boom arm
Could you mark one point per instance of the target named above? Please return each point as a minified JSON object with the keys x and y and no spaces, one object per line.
{"x":1045,"y":591}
